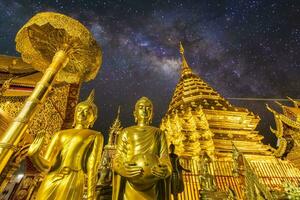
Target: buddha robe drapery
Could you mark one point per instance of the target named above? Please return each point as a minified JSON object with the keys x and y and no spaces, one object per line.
{"x":137,"y":140}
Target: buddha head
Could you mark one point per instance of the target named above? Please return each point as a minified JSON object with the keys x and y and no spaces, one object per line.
{"x":86,"y":112}
{"x":143,"y":111}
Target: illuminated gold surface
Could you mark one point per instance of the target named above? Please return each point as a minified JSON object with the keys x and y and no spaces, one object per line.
{"x":207,"y":179}
{"x":199,"y":121}
{"x":141,"y":140}
{"x":46,"y":33}
{"x":14,"y":65}
{"x":75,"y":57}
{"x":288,"y":132}
{"x":50,"y":117}
{"x":65,"y":176}
{"x":115,"y":130}
{"x":104,"y":184}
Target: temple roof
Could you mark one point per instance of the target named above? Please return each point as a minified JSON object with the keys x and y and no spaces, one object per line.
{"x":14,"y":65}
{"x":290,"y":116}
{"x":273,"y":172}
{"x":287,"y":131}
{"x":20,"y":73}
{"x":293,"y":110}
{"x":17,"y":78}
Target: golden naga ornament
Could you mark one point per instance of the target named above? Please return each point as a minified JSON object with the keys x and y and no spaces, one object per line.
{"x":142,"y":165}
{"x":64,"y":50}
{"x":71,"y":154}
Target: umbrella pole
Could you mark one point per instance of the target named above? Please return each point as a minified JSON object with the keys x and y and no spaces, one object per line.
{"x":14,"y":133}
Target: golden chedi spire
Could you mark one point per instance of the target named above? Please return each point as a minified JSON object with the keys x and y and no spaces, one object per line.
{"x":185,"y":69}
{"x":185,"y":123}
{"x":191,"y":87}
{"x":225,"y":122}
{"x":201,"y":122}
{"x":115,"y":129}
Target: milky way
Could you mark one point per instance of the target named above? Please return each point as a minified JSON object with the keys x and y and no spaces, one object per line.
{"x":240,"y":48}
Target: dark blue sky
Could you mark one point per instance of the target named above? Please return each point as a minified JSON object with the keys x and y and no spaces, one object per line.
{"x":240,"y":48}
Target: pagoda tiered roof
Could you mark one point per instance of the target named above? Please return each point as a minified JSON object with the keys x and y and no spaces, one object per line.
{"x":225,"y":121}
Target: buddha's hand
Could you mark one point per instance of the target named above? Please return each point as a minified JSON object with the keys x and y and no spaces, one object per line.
{"x":36,"y":144}
{"x":131,"y":170}
{"x":160,"y":171}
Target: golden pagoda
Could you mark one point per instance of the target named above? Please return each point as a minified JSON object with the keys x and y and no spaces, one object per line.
{"x":17,"y":81}
{"x":195,"y":106}
{"x":104,"y":185}
{"x":219,"y":144}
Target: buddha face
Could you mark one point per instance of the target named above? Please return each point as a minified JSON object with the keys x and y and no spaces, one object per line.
{"x":84,"y":115}
{"x":143,"y":111}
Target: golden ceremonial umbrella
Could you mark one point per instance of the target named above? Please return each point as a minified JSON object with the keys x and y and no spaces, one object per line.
{"x":64,"y":50}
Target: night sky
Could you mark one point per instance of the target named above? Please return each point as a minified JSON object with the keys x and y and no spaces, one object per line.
{"x":240,"y":48}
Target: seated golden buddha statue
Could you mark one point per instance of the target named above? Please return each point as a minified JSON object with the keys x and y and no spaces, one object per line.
{"x":141,"y":164}
{"x":70,"y":154}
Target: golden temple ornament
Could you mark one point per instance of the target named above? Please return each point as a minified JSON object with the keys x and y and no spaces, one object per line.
{"x":64,"y":50}
{"x":104,"y":185}
{"x":48,"y":34}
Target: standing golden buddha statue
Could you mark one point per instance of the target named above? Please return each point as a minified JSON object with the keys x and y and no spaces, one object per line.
{"x":70,"y":154}
{"x":141,"y":164}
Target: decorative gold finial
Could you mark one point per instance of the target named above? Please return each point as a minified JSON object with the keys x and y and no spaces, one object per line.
{"x":278,"y":103}
{"x":289,"y":98}
{"x":184,"y":65}
{"x":270,"y":109}
{"x":119,"y":110}
{"x":181,"y":49}
{"x":294,"y":101}
{"x":115,"y":129}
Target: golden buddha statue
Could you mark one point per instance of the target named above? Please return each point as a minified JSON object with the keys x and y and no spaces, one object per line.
{"x":70,"y":154}
{"x":207,"y":180}
{"x":142,"y":165}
